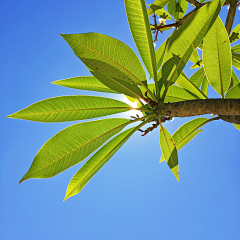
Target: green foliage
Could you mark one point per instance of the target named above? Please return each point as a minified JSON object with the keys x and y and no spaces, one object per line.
{"x":115,"y":68}
{"x":217,"y":57}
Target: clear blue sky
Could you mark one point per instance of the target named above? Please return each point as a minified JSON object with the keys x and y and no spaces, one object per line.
{"x":132,"y":196}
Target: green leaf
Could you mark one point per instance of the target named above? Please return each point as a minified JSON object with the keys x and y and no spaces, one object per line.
{"x":186,"y":39}
{"x":157,"y":4}
{"x":96,"y":162}
{"x":235,"y":34}
{"x":177,"y":94}
{"x":126,"y":88}
{"x":72,"y":145}
{"x":217,"y":57}
{"x":236,"y":61}
{"x":194,"y":57}
{"x":233,"y":92}
{"x":181,"y":8}
{"x":205,"y":84}
{"x":70,"y":108}
{"x":187,"y":132}
{"x":171,"y":7}
{"x":160,"y":52}
{"x":234,"y":79}
{"x":162,"y":13}
{"x":197,"y":77}
{"x":141,"y":32}
{"x":107,"y":55}
{"x":84,"y":83}
{"x":236,"y":49}
{"x":169,"y":150}
{"x":237,"y":126}
{"x":185,"y":83}
{"x":197,"y":64}
{"x":177,"y":8}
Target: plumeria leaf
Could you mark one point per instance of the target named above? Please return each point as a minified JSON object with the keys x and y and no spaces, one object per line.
{"x":195,"y":57}
{"x":217,"y":57}
{"x":233,"y":92}
{"x":185,"y":83}
{"x":180,"y":8}
{"x":197,"y":77}
{"x":95,"y":50}
{"x":187,"y":132}
{"x":85,"y":83}
{"x":236,"y":61}
{"x":235,"y":34}
{"x":237,"y":126}
{"x":124,"y":87}
{"x":141,"y":32}
{"x":191,"y":34}
{"x":234,"y":79}
{"x":96,"y":162}
{"x":72,"y":145}
{"x":205,"y":84}
{"x":178,"y":94}
{"x":160,"y":52}
{"x":158,"y":4}
{"x":162,"y":13}
{"x":236,"y":49}
{"x":169,"y":150}
{"x":197,"y":64}
{"x":70,"y":108}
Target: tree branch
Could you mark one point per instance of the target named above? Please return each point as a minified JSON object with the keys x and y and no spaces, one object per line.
{"x":231,"y":15}
{"x":195,"y":3}
{"x":221,"y":107}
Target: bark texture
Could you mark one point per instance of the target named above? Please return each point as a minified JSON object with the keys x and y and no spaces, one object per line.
{"x":231,"y":15}
{"x":227,"y":109}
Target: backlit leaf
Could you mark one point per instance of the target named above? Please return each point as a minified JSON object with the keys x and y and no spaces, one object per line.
{"x":185,"y":83}
{"x":96,"y":162}
{"x":197,"y":77}
{"x":233,"y":92}
{"x":124,"y":87}
{"x":177,"y":94}
{"x":235,"y":34}
{"x":84,"y":83}
{"x":107,"y":55}
{"x":186,"y":39}
{"x":217,"y":57}
{"x":169,"y":150}
{"x":72,"y":145}
{"x":187,"y":132}
{"x":70,"y":108}
{"x":237,"y":126}
{"x":157,"y":4}
{"x":141,"y":32}
{"x":236,"y":61}
{"x":234,"y":79}
{"x":205,"y":84}
{"x":194,"y":57}
{"x":236,"y":49}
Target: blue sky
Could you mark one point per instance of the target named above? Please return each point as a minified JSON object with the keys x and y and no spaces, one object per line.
{"x":132,"y":196}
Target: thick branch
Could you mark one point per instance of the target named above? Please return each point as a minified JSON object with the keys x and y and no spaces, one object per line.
{"x":202,"y":106}
{"x":232,"y":119}
{"x":231,"y":15}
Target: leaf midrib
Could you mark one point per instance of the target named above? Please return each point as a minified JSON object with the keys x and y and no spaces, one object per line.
{"x":123,"y":125}
{"x":110,"y":61}
{"x":79,"y":109}
{"x":170,"y":80}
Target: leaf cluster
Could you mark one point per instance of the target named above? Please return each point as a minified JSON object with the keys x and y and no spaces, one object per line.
{"x":116,"y":69}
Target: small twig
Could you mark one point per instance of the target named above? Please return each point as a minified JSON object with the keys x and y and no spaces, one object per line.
{"x":231,"y":15}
